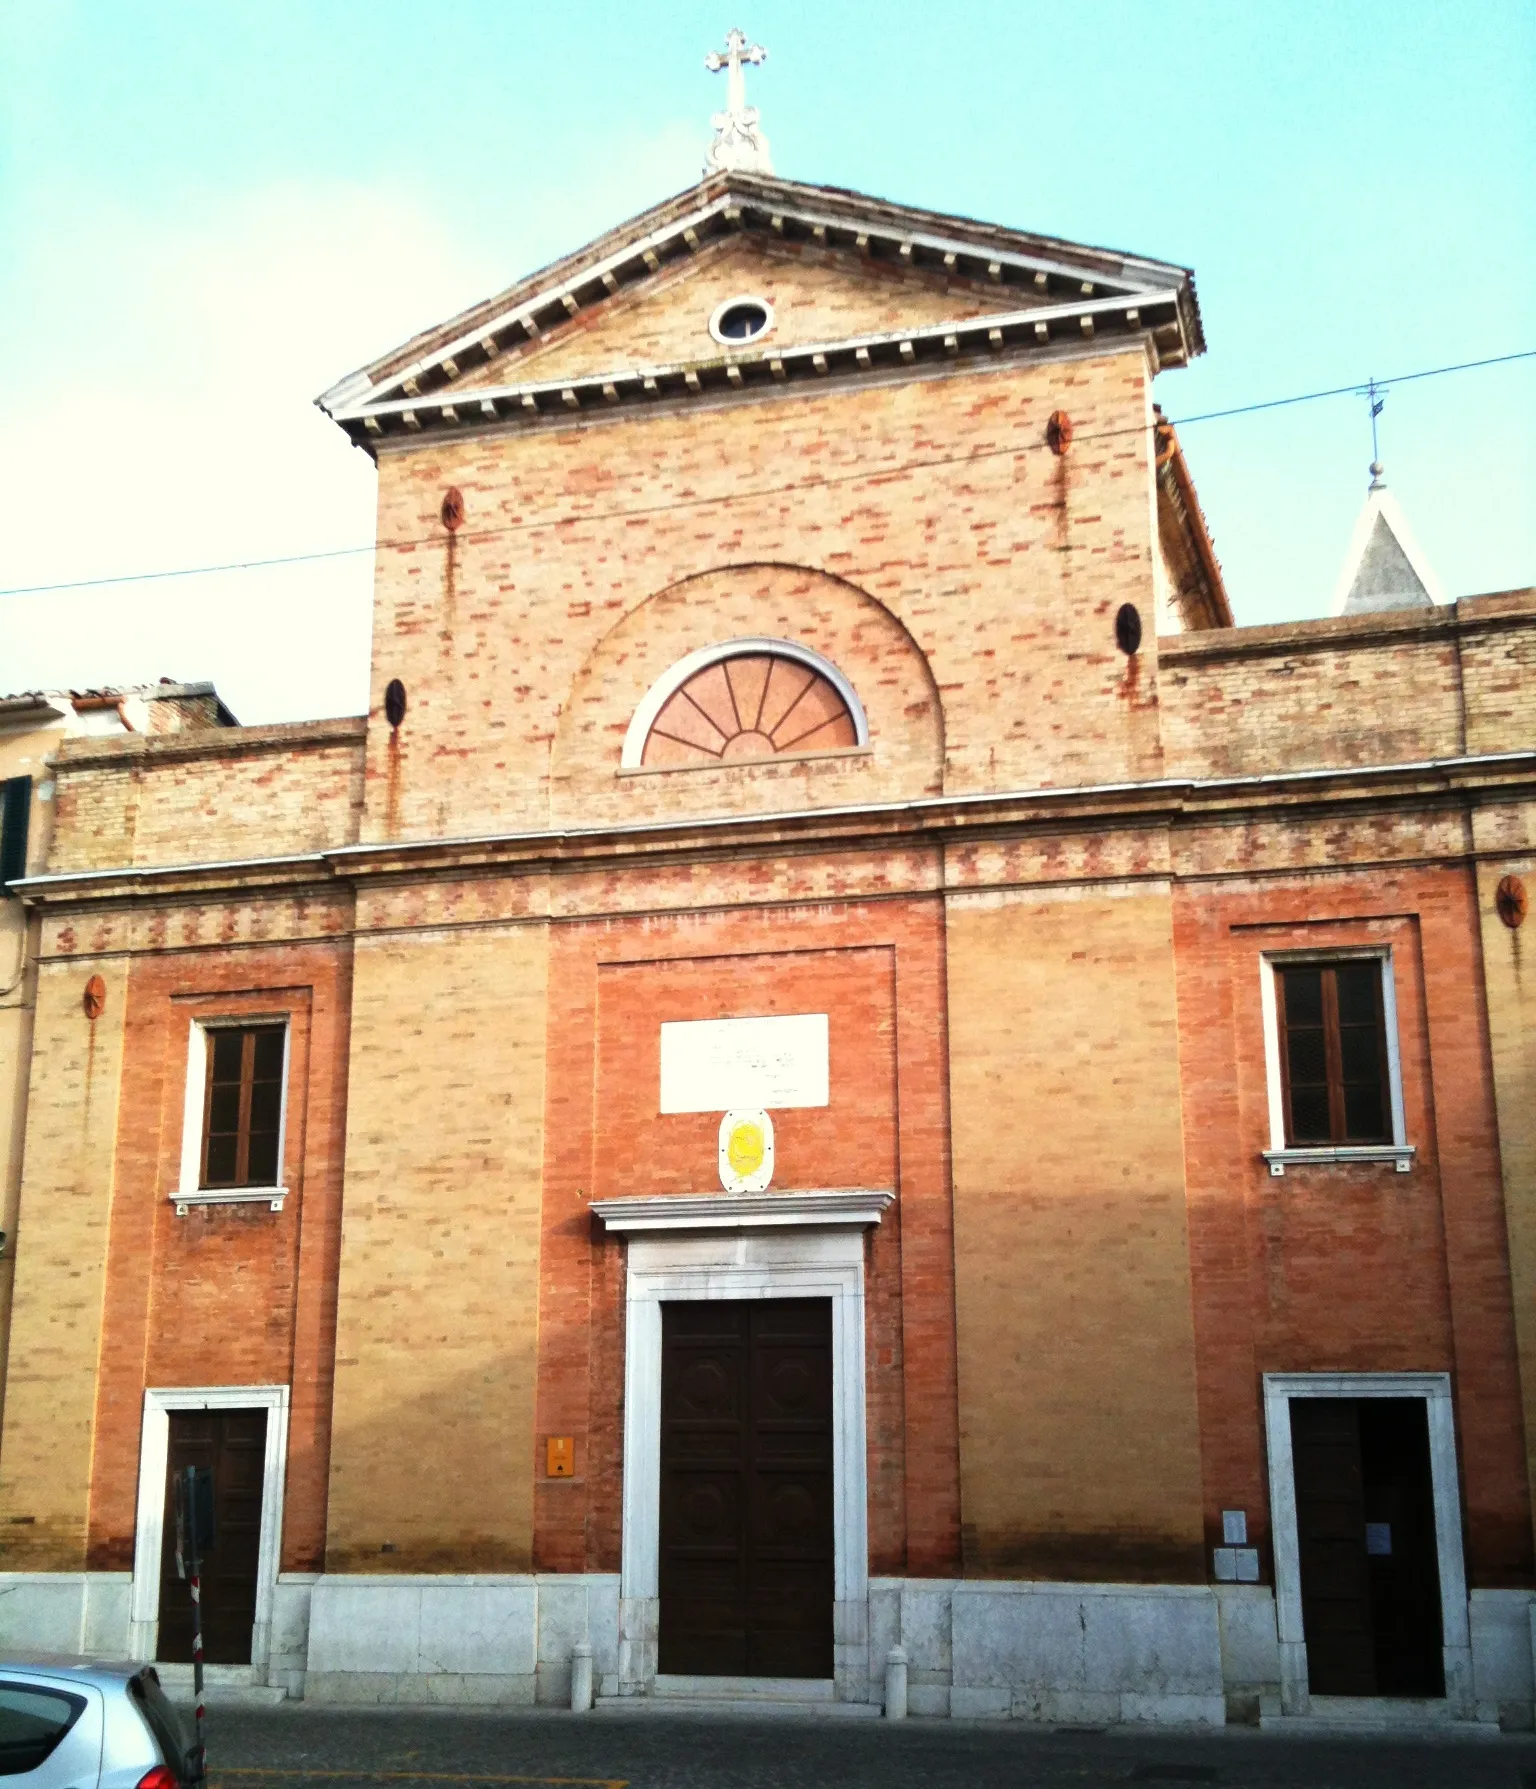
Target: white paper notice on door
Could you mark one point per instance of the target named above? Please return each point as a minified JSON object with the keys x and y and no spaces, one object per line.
{"x":716,"y":1065}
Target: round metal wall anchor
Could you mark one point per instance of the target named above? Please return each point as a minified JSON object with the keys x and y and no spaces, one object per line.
{"x":1512,"y":901}
{"x":94,"y":999}
{"x":394,"y":702}
{"x":1128,"y":628}
{"x":1058,"y":431}
{"x":453,"y":509}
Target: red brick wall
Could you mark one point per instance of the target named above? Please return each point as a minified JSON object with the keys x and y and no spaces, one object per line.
{"x":228,"y":1295}
{"x":876,"y":969}
{"x":1356,"y":1267}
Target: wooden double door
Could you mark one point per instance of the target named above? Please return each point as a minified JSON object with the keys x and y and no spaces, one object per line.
{"x":233,"y":1444}
{"x":746,"y":1565}
{"x":1365,"y":1521}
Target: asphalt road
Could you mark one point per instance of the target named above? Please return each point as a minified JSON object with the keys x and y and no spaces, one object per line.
{"x":328,"y":1748}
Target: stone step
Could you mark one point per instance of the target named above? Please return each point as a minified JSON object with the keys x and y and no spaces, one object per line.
{"x":1379,"y":1717}
{"x":224,"y":1686}
{"x":811,"y":1697}
{"x":769,"y":1708}
{"x":747,"y":1689}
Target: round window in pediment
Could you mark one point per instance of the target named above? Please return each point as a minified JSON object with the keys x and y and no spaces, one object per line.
{"x":750,"y":700}
{"x":741,"y":320}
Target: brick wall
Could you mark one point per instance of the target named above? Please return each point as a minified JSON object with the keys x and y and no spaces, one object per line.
{"x":876,"y":970}
{"x":1396,"y":687}
{"x":1509,"y":968}
{"x":817,"y":297}
{"x":1350,"y":1267}
{"x":232,"y":1295}
{"x":61,"y":1272}
{"x":1498,"y":658}
{"x":1079,"y":1440}
{"x":1065,"y":1335}
{"x":1004,"y":567}
{"x":872,"y":650}
{"x":439,"y":1254}
{"x":203,"y":796}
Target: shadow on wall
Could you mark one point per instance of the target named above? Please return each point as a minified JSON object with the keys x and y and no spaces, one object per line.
{"x":437,"y":1478}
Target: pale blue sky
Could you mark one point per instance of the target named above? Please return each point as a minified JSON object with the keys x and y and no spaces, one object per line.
{"x":208,"y":212}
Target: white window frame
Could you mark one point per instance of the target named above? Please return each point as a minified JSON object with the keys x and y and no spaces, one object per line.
{"x":1280,"y":1155}
{"x":1435,"y":1390}
{"x":673,"y":679}
{"x":189,"y":1191}
{"x":149,"y":1525}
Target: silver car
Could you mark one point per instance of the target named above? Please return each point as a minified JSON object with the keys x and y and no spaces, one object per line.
{"x":88,"y":1724}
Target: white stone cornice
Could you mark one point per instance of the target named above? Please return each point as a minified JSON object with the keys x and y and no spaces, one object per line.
{"x":834,"y":221}
{"x":825,"y":1208}
{"x":856,"y":826}
{"x":1030,"y":330}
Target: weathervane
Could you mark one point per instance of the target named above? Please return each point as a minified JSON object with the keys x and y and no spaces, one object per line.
{"x":738,"y":141}
{"x":1377,"y":397}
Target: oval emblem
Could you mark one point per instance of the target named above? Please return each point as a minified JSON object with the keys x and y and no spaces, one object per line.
{"x":746,"y":1152}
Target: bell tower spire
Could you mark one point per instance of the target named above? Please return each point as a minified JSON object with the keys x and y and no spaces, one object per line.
{"x":1385,"y":567}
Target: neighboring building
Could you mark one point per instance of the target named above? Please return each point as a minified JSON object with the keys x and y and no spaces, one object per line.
{"x":810,"y":755}
{"x":31,"y":728}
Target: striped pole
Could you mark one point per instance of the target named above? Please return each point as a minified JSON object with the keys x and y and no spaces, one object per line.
{"x":200,"y":1760}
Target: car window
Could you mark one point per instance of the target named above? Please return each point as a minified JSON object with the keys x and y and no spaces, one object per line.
{"x":164,"y":1722}
{"x":32,"y":1722}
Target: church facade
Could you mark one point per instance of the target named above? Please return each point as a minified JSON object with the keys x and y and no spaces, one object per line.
{"x":842,"y":1073}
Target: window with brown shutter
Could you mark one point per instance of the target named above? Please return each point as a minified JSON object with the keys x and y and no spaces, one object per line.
{"x":1333,"y":1056}
{"x":243,"y":1106}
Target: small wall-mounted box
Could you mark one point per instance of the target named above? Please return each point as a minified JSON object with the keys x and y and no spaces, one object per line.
{"x":1237,"y":1565}
{"x":559,"y":1456}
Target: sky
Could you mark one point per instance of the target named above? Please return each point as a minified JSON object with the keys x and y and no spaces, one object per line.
{"x":210,"y":212}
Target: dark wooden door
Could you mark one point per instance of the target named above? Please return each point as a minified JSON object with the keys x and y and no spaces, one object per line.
{"x":1370,"y":1584}
{"x":234,"y":1444}
{"x":746,"y":1488}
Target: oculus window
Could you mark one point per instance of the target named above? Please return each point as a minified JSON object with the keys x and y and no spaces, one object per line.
{"x":741,"y":320}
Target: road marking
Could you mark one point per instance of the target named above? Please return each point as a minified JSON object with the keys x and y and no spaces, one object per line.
{"x":409,"y":1776}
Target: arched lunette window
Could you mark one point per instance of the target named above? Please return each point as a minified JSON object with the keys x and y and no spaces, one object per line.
{"x":744,"y":700}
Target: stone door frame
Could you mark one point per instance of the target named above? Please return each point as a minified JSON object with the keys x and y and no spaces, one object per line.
{"x":738,"y":1264}
{"x":1435,"y":1390}
{"x":149,"y":1525}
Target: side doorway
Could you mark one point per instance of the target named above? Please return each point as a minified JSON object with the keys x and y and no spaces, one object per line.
{"x":1365,"y":1522}
{"x":240,"y":1432}
{"x":1370,"y":1580}
{"x":233,"y":1445}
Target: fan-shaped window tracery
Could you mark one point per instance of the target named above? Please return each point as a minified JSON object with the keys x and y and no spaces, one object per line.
{"x":754,"y":702}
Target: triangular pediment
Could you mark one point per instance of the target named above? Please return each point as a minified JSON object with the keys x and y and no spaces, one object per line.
{"x":855,"y":285}
{"x":812,"y":297}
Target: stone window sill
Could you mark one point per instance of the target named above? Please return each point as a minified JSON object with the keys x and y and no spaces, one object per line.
{"x":1399,"y":1154}
{"x":832,"y":751}
{"x":273,"y":1196}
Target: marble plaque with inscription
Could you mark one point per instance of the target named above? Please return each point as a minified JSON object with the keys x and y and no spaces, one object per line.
{"x":713,"y":1065}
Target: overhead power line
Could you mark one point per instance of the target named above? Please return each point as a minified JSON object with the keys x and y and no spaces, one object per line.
{"x":815,"y":482}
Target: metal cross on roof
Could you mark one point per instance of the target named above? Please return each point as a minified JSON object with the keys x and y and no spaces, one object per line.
{"x":738,"y":141}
